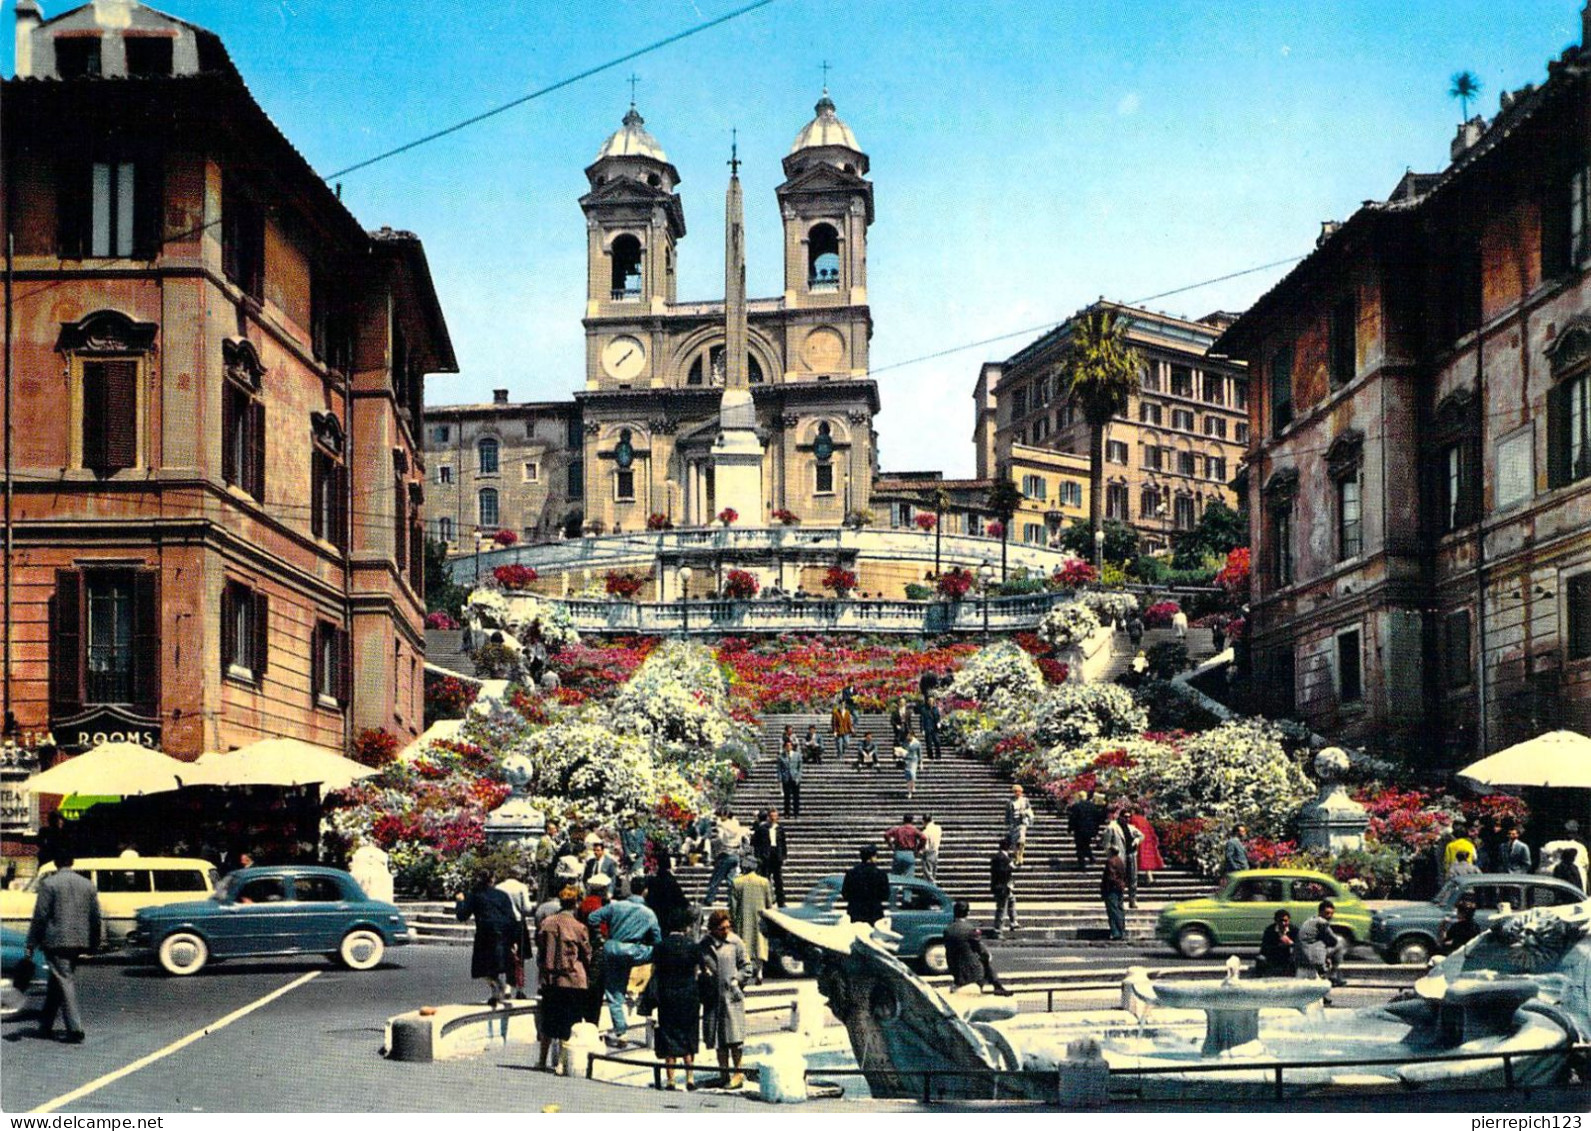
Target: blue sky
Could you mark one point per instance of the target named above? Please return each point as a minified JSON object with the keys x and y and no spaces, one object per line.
{"x":1026,"y":157}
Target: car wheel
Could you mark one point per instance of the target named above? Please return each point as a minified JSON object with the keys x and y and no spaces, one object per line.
{"x":183,"y":953}
{"x":790,"y":965}
{"x":934,"y":959}
{"x":362,"y":950}
{"x":1194,"y":942}
{"x":1412,"y":951}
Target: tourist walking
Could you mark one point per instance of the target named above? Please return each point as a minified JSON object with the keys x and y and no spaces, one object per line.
{"x":631,"y":930}
{"x":770,"y":847}
{"x":1126,"y":838}
{"x":907,"y":840}
{"x":1018,"y":818}
{"x":1179,"y":624}
{"x":1002,"y":885}
{"x":563,"y":961}
{"x":551,"y":846}
{"x":518,"y":893}
{"x":865,"y":888}
{"x":789,"y":767}
{"x":1135,"y":630}
{"x":749,"y":896}
{"x":729,"y":835}
{"x":599,"y":863}
{"x":933,"y":836}
{"x":1149,"y":859}
{"x":928,"y":713}
{"x":1570,"y":842}
{"x":842,"y":724}
{"x":496,"y":935}
{"x":969,"y":960}
{"x":912,"y":766}
{"x":632,"y":847}
{"x":1113,"y":889}
{"x":66,"y":924}
{"x":726,"y":966}
{"x":1083,"y":818}
{"x":673,"y":990}
{"x":1234,"y":857}
{"x":900,"y":723}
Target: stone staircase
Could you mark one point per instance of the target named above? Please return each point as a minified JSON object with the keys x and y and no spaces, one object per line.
{"x":843,"y":808}
{"x":1200,"y":644}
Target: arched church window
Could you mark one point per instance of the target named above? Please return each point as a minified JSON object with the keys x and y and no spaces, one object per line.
{"x":626,"y":254}
{"x":823,"y":258}
{"x":709,"y":367}
{"x":753,"y":370}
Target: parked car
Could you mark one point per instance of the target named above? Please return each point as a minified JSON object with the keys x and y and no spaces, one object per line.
{"x":283,"y":910}
{"x":126,"y":885}
{"x":19,"y":971}
{"x":1409,"y":933}
{"x":1246,"y":904}
{"x":918,"y":911}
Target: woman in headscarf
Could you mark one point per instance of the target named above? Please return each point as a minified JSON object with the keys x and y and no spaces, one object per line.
{"x":676,"y":962}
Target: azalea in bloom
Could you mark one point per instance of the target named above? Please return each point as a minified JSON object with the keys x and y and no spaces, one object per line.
{"x":786,"y":516}
{"x":440,"y":620}
{"x":728,"y":515}
{"x":739,"y":585}
{"x":514,"y":577}
{"x":506,"y":538}
{"x":1160,"y":613}
{"x":955,"y":583}
{"x":624,"y":585}
{"x":926,"y":522}
{"x":659,"y":521}
{"x":1074,"y":574}
{"x":839,"y":580}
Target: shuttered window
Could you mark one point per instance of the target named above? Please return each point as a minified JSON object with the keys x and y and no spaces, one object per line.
{"x":328,"y":500}
{"x":331,"y":664}
{"x":1577,"y":610}
{"x":110,"y":415}
{"x":243,"y":440}
{"x":105,"y":640}
{"x":1455,"y":649}
{"x":1569,"y":430}
{"x":110,"y":209}
{"x":243,"y":241}
{"x":245,"y":625}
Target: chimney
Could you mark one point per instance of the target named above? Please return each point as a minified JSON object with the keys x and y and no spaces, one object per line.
{"x":1328,"y":228}
{"x":499,"y":396}
{"x":28,"y":17}
{"x":1468,"y":134}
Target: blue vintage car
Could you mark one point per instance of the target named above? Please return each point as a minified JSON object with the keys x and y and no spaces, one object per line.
{"x":19,"y":971}
{"x":285,"y":910}
{"x":918,"y":912}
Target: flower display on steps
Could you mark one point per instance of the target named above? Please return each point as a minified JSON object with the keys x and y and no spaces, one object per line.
{"x":1068,"y":625}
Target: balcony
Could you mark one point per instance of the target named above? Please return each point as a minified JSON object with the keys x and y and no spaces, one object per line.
{"x":626,"y":294}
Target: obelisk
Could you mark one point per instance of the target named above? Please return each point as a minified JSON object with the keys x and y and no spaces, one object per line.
{"x":737,"y":455}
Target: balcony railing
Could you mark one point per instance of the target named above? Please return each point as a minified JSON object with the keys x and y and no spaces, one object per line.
{"x":625,"y":294}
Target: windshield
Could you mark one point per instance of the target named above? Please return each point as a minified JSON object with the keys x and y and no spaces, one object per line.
{"x":1449,"y":893}
{"x":226,"y":889}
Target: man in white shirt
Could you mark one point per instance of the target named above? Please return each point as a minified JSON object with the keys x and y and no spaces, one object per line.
{"x":933,"y":833}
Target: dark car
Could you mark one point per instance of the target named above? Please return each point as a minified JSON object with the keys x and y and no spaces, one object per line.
{"x":918,"y":912}
{"x":19,"y":971}
{"x":1409,"y":932}
{"x":285,"y":910}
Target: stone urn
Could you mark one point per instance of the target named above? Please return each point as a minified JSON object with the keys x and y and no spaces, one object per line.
{"x":516,"y":821}
{"x":1333,"y":821}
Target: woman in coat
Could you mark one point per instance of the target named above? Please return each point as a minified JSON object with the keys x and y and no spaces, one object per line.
{"x":725,"y":968}
{"x":496,"y":935}
{"x":1149,"y":859}
{"x":676,"y":962}
{"x":664,"y":895}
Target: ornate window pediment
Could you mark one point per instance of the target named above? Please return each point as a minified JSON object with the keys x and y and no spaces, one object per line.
{"x":106,"y":331}
{"x":1282,"y":487}
{"x":1455,"y":415}
{"x":327,"y":431}
{"x":241,"y":362}
{"x":1345,"y":456}
{"x":1572,"y":348}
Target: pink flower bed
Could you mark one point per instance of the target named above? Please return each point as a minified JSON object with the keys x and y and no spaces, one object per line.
{"x":1160,"y":613}
{"x":798,"y":673}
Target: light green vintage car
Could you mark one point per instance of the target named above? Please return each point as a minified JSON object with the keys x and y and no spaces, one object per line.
{"x":1237,"y":914}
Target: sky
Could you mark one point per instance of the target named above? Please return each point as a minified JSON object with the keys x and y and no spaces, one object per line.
{"x":1027,"y":158}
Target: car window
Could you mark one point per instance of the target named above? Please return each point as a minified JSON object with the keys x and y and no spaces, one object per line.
{"x":265,"y":889}
{"x":316,"y":889}
{"x":1311,"y":891}
{"x":179,"y":879}
{"x":1541,"y":895}
{"x":1257,"y":891}
{"x":915,"y":899}
{"x":116,"y":881}
{"x":1448,"y":896}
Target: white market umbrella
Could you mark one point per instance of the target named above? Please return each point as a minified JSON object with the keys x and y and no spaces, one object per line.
{"x":279,"y":761}
{"x":1558,"y":759}
{"x":114,"y":769}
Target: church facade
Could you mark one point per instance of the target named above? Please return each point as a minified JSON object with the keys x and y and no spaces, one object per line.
{"x":656,"y":367}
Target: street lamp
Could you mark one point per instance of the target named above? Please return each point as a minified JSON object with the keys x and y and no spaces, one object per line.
{"x":986,"y":576}
{"x":1099,"y":551}
{"x":684,"y":575}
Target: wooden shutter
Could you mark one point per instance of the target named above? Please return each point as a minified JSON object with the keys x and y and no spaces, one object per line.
{"x":229,"y":627}
{"x":148,"y":207}
{"x":73,"y":204}
{"x":340,"y":507}
{"x":1579,"y":616}
{"x":256,"y":460}
{"x":120,"y":415}
{"x":1558,"y":435}
{"x":261,"y":626}
{"x":319,"y":476}
{"x":345,"y":665}
{"x":417,"y":558}
{"x":66,"y":643}
{"x":146,"y":641}
{"x":400,"y":530}
{"x":95,"y":421}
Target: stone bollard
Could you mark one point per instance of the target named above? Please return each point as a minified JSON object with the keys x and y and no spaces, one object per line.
{"x":1084,"y":1076}
{"x":582,"y":1040}
{"x":782,"y":1076}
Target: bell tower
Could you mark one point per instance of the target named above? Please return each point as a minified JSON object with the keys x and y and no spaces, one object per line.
{"x":633,"y":221}
{"x":827,"y":204}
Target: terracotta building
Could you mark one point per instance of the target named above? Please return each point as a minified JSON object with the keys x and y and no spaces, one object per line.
{"x":216,"y":386}
{"x":1172,"y":454}
{"x":507,"y":465}
{"x":1420,"y":477}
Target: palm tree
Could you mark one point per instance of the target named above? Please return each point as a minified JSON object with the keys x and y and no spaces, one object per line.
{"x":941,"y":502}
{"x":1466,"y":87}
{"x":1004,"y":499}
{"x":1101,"y":373}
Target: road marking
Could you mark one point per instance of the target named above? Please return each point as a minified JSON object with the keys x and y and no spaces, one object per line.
{"x":175,"y":1046}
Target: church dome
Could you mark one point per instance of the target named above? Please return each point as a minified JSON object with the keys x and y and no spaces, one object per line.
{"x":825,"y":129}
{"x":632,"y":140}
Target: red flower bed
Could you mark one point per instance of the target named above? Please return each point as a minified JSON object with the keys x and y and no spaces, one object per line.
{"x":1114,"y":760}
{"x":514,"y":576}
{"x":529,"y":707}
{"x":1074,"y":574}
{"x":374,"y":747}
{"x":956,"y":583}
{"x":1266,"y":853}
{"x":797,"y":673}
{"x":1234,"y":576}
{"x":1030,"y":643}
{"x":740,"y":585}
{"x":440,"y":620}
{"x":506,"y":538}
{"x":1054,"y":671}
{"x":448,"y":697}
{"x":598,"y":669}
{"x":659,"y":522}
{"x":1160,"y":613}
{"x":787,"y":517}
{"x":623,"y":585}
{"x":1179,"y":840}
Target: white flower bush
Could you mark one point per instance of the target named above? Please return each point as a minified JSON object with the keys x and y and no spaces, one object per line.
{"x":1067,"y":625}
{"x":1074,"y":713}
{"x":1110,"y":604}
{"x":1236,"y":773}
{"x":520,"y":618}
{"x":678,"y":695}
{"x":999,"y":675}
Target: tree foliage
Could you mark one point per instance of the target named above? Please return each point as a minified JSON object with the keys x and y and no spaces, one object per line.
{"x":1121,"y":540}
{"x":442,"y":593}
{"x":1220,"y":531}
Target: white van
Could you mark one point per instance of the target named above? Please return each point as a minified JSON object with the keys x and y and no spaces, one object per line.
{"x":126,"y":884}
